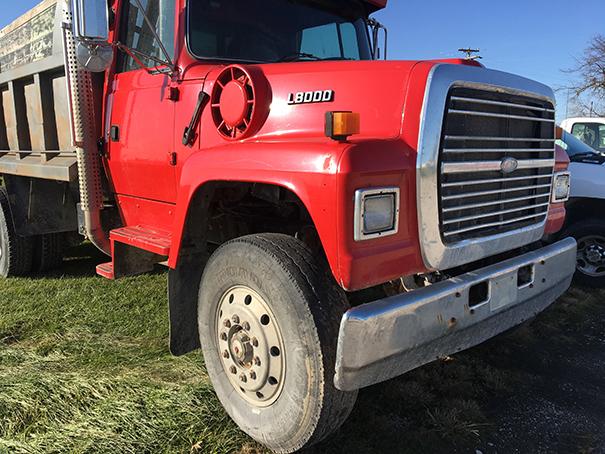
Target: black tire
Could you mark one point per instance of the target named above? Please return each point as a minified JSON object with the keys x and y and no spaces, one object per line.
{"x":308,"y":307}
{"x":581,"y":231}
{"x":48,"y":252}
{"x":16,"y":253}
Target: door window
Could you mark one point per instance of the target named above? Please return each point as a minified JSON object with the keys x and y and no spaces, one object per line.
{"x":592,"y":134}
{"x":136,"y":34}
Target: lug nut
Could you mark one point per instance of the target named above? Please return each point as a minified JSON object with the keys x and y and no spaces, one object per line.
{"x":246,"y":326}
{"x":224,"y":336}
{"x":243,"y":378}
{"x":227,"y":323}
{"x":253,"y":375}
{"x":226,"y":354}
{"x":235,"y":319}
{"x":256,"y":361}
{"x":255,"y":342}
{"x":233,"y":370}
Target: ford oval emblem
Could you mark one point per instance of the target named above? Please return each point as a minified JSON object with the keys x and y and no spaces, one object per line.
{"x":509,"y":165}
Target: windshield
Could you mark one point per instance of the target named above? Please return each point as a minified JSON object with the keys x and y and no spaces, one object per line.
{"x":278,"y":30}
{"x":590,"y":133}
{"x":575,"y":147}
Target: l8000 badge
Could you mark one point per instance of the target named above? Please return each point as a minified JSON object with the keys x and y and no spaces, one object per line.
{"x":309,"y":97}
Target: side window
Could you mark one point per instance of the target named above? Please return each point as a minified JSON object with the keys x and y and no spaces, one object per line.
{"x":601,"y":138}
{"x":136,"y":34}
{"x":587,"y":133}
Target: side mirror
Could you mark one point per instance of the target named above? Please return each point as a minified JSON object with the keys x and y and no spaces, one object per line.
{"x":91,"y":20}
{"x":91,"y":32}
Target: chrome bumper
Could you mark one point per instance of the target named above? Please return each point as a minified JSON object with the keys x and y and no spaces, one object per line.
{"x":388,"y":337}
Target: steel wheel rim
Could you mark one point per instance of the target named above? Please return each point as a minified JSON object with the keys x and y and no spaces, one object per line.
{"x":250,"y":346}
{"x":591,"y":255}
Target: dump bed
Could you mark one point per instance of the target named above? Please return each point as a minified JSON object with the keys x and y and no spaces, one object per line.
{"x":35,"y":135}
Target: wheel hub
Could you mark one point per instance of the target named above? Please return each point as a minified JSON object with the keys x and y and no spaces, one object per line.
{"x":595,"y":254}
{"x":250,"y":346}
{"x":591,"y":256}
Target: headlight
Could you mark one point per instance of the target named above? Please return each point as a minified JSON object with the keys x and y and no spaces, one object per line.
{"x":376,"y":213}
{"x":561,"y":187}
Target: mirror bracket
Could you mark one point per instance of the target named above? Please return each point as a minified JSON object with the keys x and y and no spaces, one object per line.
{"x":376,"y":26}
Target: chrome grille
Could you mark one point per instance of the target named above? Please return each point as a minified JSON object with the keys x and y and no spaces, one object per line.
{"x":481,"y":129}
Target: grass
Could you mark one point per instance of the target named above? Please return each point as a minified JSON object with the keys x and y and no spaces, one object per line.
{"x":85,"y":368}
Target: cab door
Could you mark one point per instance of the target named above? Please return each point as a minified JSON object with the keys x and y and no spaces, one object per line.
{"x":141,"y":122}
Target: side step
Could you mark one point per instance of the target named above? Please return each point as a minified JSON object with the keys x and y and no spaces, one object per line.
{"x":135,"y":250}
{"x":106,"y":270}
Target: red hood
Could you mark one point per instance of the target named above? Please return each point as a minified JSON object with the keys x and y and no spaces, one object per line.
{"x":374,"y":89}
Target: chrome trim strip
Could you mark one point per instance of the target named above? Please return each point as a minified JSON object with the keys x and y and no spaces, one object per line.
{"x":494,"y":224}
{"x":436,"y":254}
{"x":495,"y":213}
{"x":498,"y":139}
{"x":496,"y":150}
{"x":500,"y":103}
{"x":495,"y":191}
{"x":391,"y":336}
{"x":480,"y":166}
{"x":473,"y":113}
{"x":497,"y":202}
{"x":493,"y":180}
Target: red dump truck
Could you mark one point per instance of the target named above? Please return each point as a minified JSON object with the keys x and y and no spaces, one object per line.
{"x":329,"y":220}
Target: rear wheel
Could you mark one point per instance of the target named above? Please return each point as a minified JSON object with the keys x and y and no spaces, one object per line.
{"x":48,"y":251}
{"x":590,"y":267}
{"x":269,"y":316}
{"x":16,"y":253}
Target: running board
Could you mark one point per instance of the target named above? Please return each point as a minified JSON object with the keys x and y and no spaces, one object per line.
{"x":135,"y":250}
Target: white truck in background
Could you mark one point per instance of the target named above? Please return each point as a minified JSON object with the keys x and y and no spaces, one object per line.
{"x":584,"y":141}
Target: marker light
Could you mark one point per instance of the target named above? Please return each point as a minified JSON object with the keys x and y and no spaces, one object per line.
{"x":561,"y":187}
{"x":341,"y":125}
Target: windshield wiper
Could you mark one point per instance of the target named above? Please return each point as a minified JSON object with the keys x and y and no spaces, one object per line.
{"x":301,"y":55}
{"x":592,"y":157}
{"x":298,"y":56}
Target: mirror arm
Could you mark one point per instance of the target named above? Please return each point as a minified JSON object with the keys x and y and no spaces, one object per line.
{"x":132,"y":53}
{"x":171,"y":65}
{"x":376,"y":27}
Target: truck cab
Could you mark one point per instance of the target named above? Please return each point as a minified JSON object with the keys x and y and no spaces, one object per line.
{"x":328,"y":220}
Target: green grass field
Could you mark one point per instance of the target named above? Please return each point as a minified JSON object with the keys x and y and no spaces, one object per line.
{"x":84,"y":367}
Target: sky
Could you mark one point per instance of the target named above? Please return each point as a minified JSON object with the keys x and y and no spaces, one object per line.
{"x":538,"y":39}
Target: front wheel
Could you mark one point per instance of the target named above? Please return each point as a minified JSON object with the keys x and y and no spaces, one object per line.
{"x":269,"y":316}
{"x":590,"y":267}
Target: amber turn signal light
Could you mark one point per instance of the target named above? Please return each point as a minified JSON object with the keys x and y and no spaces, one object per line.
{"x":341,"y":125}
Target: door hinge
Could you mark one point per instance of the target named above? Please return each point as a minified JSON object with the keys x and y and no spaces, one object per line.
{"x":172,"y":158}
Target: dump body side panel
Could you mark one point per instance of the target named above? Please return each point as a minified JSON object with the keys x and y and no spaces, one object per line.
{"x":35,"y":134}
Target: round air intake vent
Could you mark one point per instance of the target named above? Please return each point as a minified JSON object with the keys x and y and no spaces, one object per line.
{"x":239,"y":101}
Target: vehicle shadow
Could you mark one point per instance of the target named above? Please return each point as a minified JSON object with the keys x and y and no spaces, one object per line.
{"x":80,"y":262}
{"x":537,"y":388}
